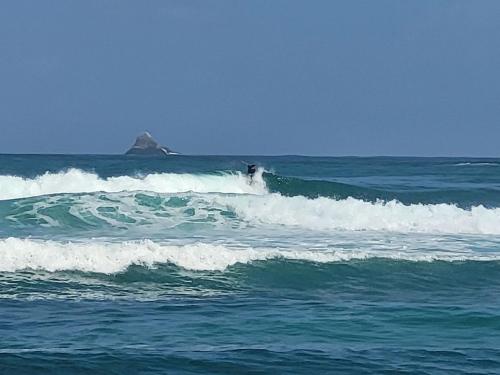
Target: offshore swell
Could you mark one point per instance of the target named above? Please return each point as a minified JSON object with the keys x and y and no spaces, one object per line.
{"x":354,"y":265}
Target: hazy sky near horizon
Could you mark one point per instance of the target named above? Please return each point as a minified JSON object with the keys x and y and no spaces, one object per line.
{"x":349,"y":77}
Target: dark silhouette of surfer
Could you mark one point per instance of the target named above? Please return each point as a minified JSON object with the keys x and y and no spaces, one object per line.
{"x":251,"y":169}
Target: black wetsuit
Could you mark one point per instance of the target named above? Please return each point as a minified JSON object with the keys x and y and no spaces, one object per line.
{"x":251,"y":169}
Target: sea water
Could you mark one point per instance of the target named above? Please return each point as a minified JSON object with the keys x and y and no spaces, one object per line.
{"x":182,"y":265}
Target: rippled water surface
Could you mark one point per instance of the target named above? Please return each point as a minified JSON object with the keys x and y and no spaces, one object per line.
{"x":112,"y":264}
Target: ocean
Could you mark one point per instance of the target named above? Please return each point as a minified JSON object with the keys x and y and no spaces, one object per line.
{"x":181,"y":265}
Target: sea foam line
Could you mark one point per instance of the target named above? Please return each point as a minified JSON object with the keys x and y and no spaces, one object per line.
{"x":477,"y":164}
{"x":105,"y":257}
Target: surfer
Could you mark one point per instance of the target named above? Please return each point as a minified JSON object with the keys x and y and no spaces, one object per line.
{"x":251,"y":169}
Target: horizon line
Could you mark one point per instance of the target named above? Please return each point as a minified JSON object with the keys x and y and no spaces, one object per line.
{"x":257,"y":155}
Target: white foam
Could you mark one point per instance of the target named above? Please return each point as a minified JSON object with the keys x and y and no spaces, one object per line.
{"x":105,"y":257}
{"x":102,"y":257}
{"x":265,"y":212}
{"x":78,"y":181}
{"x":250,"y":202}
{"x":354,"y":214}
{"x":479,"y":164}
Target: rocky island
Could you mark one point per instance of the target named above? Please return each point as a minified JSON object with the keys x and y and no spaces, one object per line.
{"x":147,"y":146}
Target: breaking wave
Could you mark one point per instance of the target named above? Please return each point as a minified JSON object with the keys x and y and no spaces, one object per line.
{"x":78,"y":181}
{"x":108,"y":258}
{"x":80,"y":200}
{"x":354,"y":214}
{"x":477,"y":164}
{"x":126,"y":210}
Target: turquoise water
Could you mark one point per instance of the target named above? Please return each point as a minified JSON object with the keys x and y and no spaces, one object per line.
{"x":113,"y":264}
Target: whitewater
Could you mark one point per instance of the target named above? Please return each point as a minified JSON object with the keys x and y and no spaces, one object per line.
{"x":249,"y":201}
{"x":78,"y":181}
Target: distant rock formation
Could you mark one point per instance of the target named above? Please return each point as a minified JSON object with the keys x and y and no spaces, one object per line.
{"x":146,"y":145}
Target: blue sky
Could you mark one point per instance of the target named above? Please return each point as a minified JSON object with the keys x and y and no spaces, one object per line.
{"x":251,"y":77}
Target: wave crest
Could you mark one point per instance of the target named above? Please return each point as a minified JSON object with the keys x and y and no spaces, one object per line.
{"x":101,"y":257}
{"x":78,"y":181}
{"x":108,"y":258}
